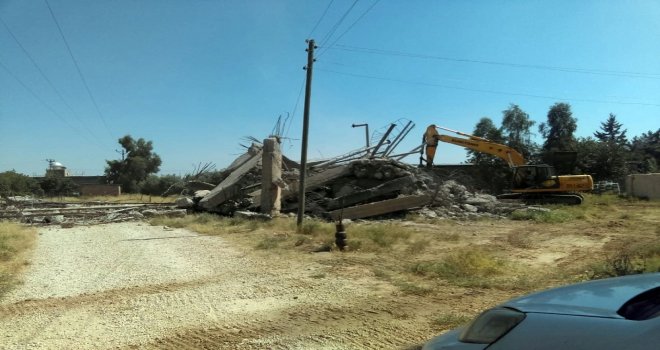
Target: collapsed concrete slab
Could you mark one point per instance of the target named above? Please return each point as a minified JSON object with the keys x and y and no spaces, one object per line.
{"x":230,"y":187}
{"x":387,"y":188}
{"x":316,"y":180}
{"x":380,"y":208}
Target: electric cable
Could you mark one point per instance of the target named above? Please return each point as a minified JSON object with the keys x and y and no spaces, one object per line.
{"x":46,"y":105}
{"x":486,"y":91}
{"x":508,"y":64}
{"x":295,"y":107}
{"x":309,"y":36}
{"x":349,"y":28}
{"x":80,"y":74}
{"x":45,"y":77}
{"x":334,"y":28}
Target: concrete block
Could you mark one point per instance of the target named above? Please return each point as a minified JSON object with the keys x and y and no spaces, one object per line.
{"x":382,"y":207}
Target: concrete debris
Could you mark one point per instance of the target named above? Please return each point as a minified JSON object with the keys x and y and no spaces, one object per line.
{"x":70,"y":214}
{"x":172,"y":213}
{"x":381,"y":207}
{"x":249,"y":215}
{"x":531,"y":210}
{"x":359,"y":184}
{"x":23,"y":200}
{"x":184,"y":202}
{"x":354,"y":189}
{"x":232,"y":186}
{"x":195,"y":185}
{"x":198,"y":195}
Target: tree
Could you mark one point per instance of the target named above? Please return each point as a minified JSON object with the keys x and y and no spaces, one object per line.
{"x":516,"y":129}
{"x":558,"y":131}
{"x":56,"y":185}
{"x":611,"y":131}
{"x":612,"y":151}
{"x":493,"y":172}
{"x":13,"y":184}
{"x":157,"y":185}
{"x":587,"y":157}
{"x":645,"y":151}
{"x":138,"y":163}
{"x":485,"y":128}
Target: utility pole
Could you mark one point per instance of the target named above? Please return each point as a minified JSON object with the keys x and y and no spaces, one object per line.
{"x":303,"y":151}
{"x":123,"y":154}
{"x":366,"y":131}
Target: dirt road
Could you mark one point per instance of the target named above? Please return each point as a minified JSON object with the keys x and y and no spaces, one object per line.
{"x":132,"y":285}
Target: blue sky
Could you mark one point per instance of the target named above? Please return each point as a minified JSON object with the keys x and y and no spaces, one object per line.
{"x":195,"y":77}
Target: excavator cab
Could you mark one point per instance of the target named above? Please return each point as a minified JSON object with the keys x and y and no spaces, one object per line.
{"x":534,"y":177}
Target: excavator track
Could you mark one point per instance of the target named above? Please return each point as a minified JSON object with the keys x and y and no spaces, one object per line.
{"x":539,"y":198}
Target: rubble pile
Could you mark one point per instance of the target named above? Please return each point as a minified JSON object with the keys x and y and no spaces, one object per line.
{"x":36,"y":211}
{"x":357,"y":188}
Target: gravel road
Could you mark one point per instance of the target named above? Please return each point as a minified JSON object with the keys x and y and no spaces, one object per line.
{"x":132,"y":285}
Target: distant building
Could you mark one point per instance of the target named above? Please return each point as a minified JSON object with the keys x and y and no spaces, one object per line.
{"x":89,"y":185}
{"x":56,"y":168}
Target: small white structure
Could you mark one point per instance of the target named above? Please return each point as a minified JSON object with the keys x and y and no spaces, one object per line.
{"x":56,"y":168}
{"x":643,"y":185}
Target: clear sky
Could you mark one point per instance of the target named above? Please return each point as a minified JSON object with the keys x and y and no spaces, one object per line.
{"x":196,"y":77}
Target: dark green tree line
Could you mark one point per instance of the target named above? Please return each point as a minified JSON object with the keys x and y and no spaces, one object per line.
{"x":607,"y":155}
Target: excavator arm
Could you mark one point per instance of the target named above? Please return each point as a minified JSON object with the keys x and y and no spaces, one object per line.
{"x":512,"y":157}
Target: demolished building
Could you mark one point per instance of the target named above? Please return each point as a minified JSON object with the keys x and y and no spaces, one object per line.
{"x":368,"y":182}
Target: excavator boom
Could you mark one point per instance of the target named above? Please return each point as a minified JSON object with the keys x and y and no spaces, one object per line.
{"x":508,"y":154}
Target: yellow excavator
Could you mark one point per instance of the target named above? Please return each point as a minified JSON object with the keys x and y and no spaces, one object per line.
{"x":531,"y":183}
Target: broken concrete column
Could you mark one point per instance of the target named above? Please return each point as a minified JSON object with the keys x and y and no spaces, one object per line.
{"x":271,"y":180}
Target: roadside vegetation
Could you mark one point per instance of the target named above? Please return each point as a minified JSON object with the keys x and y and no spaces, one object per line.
{"x":15,"y":243}
{"x":607,"y":236}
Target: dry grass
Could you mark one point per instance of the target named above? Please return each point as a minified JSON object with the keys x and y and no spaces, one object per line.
{"x":452,"y":320}
{"x":520,"y":239}
{"x":15,"y":242}
{"x":420,"y":259}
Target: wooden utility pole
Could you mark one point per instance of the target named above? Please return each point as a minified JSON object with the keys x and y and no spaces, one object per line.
{"x":303,"y":151}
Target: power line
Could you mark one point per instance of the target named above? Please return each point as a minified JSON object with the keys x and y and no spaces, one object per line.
{"x":349,"y":28}
{"x":309,"y":36}
{"x":80,"y":74}
{"x":43,"y":75}
{"x":293,"y":114}
{"x":334,"y":28}
{"x":46,"y":105}
{"x":496,"y":92}
{"x":508,"y":64}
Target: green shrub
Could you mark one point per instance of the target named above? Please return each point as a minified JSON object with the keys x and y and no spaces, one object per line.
{"x":552,"y":216}
{"x":465,"y":263}
{"x":13,"y":184}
